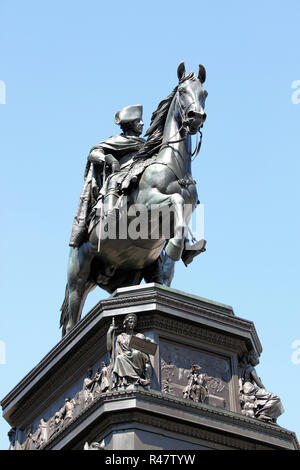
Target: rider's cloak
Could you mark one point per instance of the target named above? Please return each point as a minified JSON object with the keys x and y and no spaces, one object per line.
{"x":119,"y":146}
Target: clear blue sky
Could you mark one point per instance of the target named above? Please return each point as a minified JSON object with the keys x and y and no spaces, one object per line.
{"x":68,"y":66}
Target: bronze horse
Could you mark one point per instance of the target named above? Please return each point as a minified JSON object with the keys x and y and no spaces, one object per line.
{"x":166,"y":182}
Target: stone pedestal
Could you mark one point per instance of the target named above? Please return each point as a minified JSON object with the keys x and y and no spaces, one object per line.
{"x":188,"y":330}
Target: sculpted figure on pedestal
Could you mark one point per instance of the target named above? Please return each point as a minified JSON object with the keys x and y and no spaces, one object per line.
{"x":104,"y":160}
{"x":42,"y":434}
{"x":101,"y":380}
{"x":94,"y":446}
{"x":129,"y":366}
{"x":66,"y":413}
{"x":12,"y":438}
{"x":87,"y":388}
{"x":29,"y":443}
{"x":255,"y":400}
{"x":196,"y":388}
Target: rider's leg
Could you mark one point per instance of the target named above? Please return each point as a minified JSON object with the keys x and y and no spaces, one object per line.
{"x":111,"y":196}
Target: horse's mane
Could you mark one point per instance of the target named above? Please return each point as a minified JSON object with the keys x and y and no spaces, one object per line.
{"x":157,"y":124}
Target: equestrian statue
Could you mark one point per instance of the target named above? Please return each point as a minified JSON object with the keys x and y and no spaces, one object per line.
{"x":137,"y":200}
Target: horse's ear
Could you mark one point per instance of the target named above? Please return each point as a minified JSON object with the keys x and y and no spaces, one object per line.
{"x":181,"y":71}
{"x":202,"y":73}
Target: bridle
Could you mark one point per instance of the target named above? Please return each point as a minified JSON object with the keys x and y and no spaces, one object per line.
{"x":183,"y":127}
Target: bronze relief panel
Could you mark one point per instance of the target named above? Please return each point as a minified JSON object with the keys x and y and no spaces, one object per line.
{"x":176,"y":364}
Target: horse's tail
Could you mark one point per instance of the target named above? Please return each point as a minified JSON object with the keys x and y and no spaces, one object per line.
{"x":64,"y":316}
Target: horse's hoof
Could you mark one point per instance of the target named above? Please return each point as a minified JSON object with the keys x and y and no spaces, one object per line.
{"x":173,"y":251}
{"x":69,"y":327}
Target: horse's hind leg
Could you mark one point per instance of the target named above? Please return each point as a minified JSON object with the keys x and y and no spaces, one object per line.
{"x":154,"y":272}
{"x":78,"y":281}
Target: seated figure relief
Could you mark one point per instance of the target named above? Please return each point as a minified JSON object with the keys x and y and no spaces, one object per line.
{"x":130,"y":366}
{"x":256,"y":401}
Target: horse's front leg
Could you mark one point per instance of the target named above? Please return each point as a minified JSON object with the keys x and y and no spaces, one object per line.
{"x":174,"y":246}
{"x":155,"y":200}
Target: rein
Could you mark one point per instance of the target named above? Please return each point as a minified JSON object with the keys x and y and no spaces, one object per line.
{"x":183,"y":127}
{"x":167,"y":142}
{"x":198,"y":144}
{"x":197,"y":148}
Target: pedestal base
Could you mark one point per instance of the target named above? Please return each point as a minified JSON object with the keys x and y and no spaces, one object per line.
{"x":52,"y":408}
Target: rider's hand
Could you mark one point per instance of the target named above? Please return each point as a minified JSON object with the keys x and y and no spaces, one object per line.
{"x":115,"y":167}
{"x":112,"y":162}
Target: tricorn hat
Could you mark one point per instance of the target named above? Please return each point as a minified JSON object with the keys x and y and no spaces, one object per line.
{"x":128,"y":114}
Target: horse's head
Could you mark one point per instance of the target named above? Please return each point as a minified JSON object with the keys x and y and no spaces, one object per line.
{"x":191,"y":98}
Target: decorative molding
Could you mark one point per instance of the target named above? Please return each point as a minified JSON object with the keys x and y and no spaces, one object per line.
{"x":207,"y":411}
{"x":50,"y":389}
{"x":157,"y":296}
{"x":181,"y":328}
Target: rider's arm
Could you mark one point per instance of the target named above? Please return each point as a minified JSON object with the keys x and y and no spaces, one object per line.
{"x":97,"y":156}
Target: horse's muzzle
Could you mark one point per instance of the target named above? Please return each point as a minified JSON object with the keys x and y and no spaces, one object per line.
{"x":195,"y":121}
